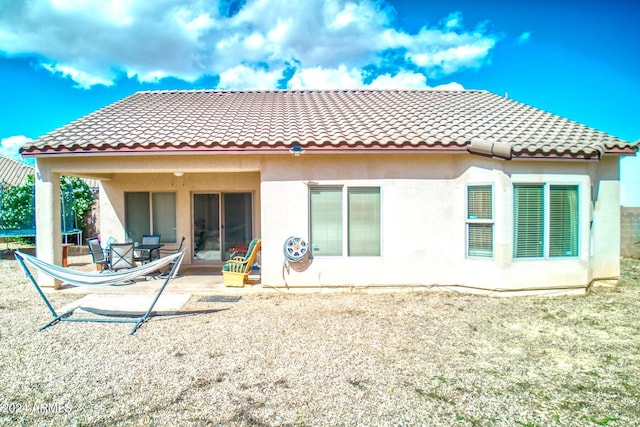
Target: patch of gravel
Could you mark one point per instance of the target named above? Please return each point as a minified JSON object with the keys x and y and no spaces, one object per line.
{"x":418,"y":358}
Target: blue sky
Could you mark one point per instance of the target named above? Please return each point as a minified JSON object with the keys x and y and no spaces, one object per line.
{"x":62,"y":59}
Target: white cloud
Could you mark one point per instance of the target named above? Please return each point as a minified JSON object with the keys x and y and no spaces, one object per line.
{"x":326,"y":78}
{"x":449,"y":86}
{"x":83,"y":79}
{"x":404,"y":79}
{"x":343,"y":78}
{"x":10,"y":147}
{"x":92,"y":42}
{"x":243,"y":77}
{"x":453,"y":21}
{"x":524,"y":37}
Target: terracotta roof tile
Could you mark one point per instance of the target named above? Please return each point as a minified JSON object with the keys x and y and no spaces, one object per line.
{"x":13,"y":172}
{"x":360,"y":119}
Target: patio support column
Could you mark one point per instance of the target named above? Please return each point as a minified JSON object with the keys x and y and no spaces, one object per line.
{"x":48,"y":234}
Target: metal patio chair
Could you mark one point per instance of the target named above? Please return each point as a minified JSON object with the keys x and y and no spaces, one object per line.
{"x":98,"y":254}
{"x":121,"y":256}
{"x":147,"y":255}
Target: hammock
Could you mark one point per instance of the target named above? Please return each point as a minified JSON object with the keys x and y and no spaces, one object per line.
{"x":81,"y":278}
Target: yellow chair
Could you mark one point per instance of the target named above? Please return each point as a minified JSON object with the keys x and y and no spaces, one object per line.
{"x":236,"y":271}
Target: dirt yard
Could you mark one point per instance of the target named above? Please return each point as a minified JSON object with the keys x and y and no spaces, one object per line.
{"x":419,"y":358}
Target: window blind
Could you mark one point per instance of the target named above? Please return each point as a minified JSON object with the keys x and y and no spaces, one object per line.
{"x":164,"y":216}
{"x":326,"y":220}
{"x":137,"y":215}
{"x":563,"y":221}
{"x":528,"y":221}
{"x":479,"y":216}
{"x":364,"y":221}
{"x":480,"y":240}
{"x":479,"y":205}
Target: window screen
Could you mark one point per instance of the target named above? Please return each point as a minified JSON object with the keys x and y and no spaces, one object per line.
{"x":150,"y":213}
{"x":137,"y":215}
{"x":364,"y":221}
{"x":528,"y":221}
{"x":164,"y":216}
{"x":479,"y":221}
{"x":563,"y":221}
{"x":326,"y":220}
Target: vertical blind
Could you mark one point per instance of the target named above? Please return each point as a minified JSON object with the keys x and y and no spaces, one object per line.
{"x":528,"y":221}
{"x":150,"y":213}
{"x":137,"y":215}
{"x":479,"y":232}
{"x":563,"y":221}
{"x":364,"y":221}
{"x":164,"y":216}
{"x":326,"y":220}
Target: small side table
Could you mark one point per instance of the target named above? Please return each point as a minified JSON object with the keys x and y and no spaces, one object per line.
{"x":240,"y":249}
{"x":65,"y":254}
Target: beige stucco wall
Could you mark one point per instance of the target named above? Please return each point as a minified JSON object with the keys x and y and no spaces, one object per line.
{"x":422,"y":208}
{"x":423,"y":221}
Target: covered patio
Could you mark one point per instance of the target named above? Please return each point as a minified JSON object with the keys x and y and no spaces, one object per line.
{"x":214,"y":208}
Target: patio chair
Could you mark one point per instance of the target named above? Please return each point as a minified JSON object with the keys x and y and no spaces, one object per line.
{"x":121,"y":256}
{"x":165,"y":252}
{"x":146,"y":255}
{"x":98,"y":254}
{"x":236,"y":271}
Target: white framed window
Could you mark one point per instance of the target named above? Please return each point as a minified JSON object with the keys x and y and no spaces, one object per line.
{"x":545,"y":220}
{"x":480,"y":221}
{"x":335,"y":212}
{"x":150,"y":213}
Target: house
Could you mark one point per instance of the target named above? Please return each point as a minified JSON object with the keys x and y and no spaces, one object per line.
{"x":13,"y":172}
{"x":385,"y":187}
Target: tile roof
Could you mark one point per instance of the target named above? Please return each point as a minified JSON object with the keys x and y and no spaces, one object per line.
{"x":13,"y":172}
{"x":208,"y":120}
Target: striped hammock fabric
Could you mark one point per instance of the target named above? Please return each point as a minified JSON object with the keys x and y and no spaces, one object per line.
{"x":82,"y":278}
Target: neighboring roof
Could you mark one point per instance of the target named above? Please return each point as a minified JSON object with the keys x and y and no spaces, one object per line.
{"x":272,"y":121}
{"x":13,"y":172}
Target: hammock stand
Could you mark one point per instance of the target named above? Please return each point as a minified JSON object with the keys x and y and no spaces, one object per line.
{"x":80,"y":278}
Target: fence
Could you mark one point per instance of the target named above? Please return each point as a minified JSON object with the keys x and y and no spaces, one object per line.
{"x":630,"y":232}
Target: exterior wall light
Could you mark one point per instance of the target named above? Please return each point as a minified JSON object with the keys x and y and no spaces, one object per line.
{"x":296,"y":150}
{"x":178,"y":173}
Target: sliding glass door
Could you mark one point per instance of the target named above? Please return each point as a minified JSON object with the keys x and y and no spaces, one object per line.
{"x":206,"y":227}
{"x":221,"y":221}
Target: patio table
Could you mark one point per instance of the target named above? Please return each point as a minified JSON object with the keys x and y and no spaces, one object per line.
{"x":239,"y":249}
{"x":147,"y":250}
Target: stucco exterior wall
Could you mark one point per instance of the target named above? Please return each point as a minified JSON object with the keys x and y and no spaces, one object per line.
{"x":423,"y":213}
{"x":423,"y":205}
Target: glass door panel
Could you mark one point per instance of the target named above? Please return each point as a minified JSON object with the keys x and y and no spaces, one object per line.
{"x":237,"y":228}
{"x":206,"y":227}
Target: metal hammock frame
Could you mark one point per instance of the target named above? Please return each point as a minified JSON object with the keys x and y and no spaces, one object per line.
{"x":81,"y":278}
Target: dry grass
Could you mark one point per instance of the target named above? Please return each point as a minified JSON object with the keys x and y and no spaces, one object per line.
{"x":333,"y":359}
